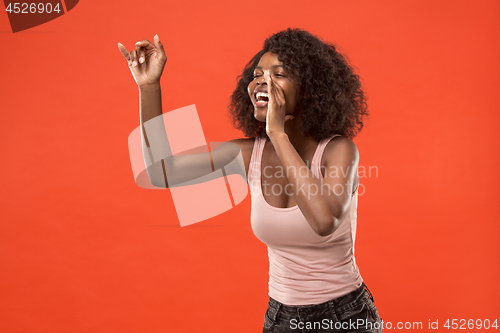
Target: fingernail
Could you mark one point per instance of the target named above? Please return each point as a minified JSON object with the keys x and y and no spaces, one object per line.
{"x":141,"y":60}
{"x":134,"y":63}
{"x":157,"y":38}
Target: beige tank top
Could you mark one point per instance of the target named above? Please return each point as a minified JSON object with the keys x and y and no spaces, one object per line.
{"x":304,"y":268}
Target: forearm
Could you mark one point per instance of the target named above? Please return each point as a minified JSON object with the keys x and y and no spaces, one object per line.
{"x":153,"y":132}
{"x":320,"y":206}
{"x":149,"y":105}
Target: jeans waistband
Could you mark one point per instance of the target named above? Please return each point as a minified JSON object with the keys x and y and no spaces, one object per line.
{"x":337,"y":303}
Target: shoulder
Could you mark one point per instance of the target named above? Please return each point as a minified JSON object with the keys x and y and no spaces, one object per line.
{"x":246,"y":148}
{"x":234,"y":147}
{"x":341,"y":154}
{"x":341,"y":150}
{"x":245,"y":144}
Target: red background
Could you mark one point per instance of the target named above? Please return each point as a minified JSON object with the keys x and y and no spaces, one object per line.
{"x":83,"y":249}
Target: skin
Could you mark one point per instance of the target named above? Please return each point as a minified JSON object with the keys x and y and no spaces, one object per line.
{"x":287,"y":150}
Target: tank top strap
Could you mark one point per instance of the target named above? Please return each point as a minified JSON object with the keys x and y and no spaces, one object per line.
{"x":318,"y":155}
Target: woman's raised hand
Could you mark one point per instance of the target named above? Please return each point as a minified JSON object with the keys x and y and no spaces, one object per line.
{"x":146,"y":62}
{"x":276,"y":107}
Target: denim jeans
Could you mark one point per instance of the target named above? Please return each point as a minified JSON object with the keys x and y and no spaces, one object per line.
{"x":354,"y":312}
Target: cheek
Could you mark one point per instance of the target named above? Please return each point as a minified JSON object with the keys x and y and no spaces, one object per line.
{"x":250,"y":89}
{"x":292,"y":103}
{"x":291,"y":96}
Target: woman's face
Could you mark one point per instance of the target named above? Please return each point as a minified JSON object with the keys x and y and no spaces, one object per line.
{"x":257,"y":88}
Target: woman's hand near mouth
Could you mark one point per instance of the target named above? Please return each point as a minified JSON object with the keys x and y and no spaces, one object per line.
{"x":276,"y":107}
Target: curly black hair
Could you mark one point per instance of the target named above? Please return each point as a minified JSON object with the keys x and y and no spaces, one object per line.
{"x":330,"y":93}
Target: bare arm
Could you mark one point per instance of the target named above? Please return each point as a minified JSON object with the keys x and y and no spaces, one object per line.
{"x":323,"y":203}
{"x":146,"y":63}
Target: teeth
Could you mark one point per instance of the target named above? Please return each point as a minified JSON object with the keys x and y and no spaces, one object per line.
{"x":260,"y":95}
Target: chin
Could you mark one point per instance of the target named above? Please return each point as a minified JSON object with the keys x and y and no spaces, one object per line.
{"x":260,"y":115}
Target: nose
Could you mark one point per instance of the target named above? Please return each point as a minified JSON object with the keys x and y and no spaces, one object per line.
{"x":261,"y":80}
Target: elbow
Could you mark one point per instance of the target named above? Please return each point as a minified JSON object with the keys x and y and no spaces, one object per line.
{"x":324,"y":233}
{"x":156,"y":184}
{"x":156,"y":176}
{"x":157,"y":181}
{"x":327,"y":227}
{"x":329,"y":222}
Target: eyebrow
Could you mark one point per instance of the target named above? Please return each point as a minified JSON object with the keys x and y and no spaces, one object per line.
{"x":274,"y":66}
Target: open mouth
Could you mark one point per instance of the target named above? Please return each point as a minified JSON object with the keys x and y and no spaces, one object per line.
{"x":261,"y":99}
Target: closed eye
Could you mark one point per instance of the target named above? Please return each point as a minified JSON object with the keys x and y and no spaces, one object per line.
{"x":279,"y":75}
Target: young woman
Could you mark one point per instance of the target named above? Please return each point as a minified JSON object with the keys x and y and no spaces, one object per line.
{"x":299,"y":104}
